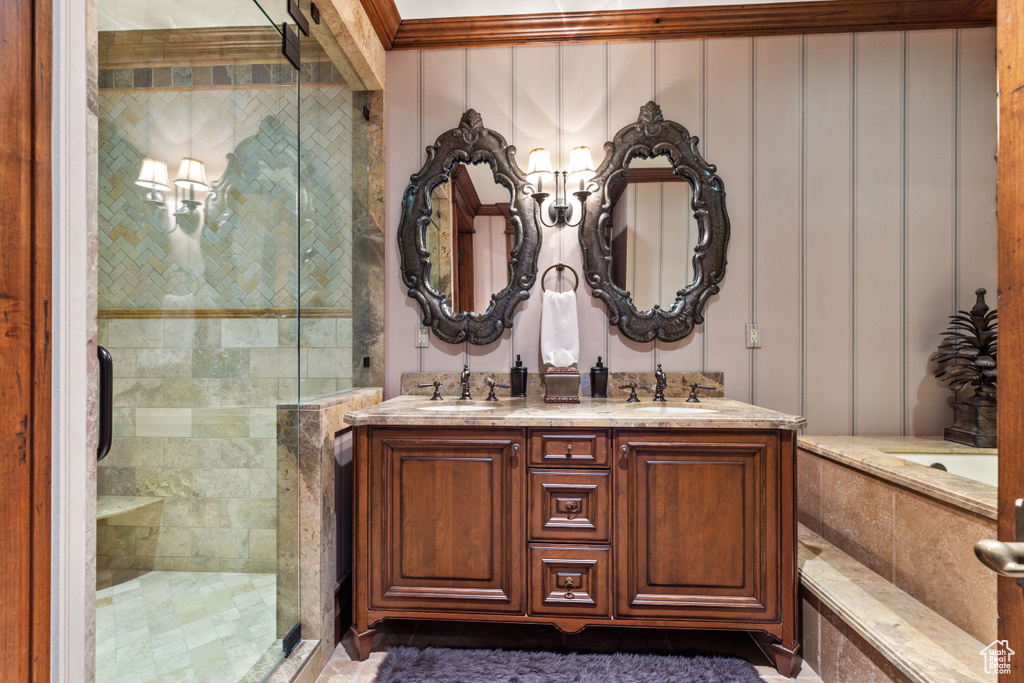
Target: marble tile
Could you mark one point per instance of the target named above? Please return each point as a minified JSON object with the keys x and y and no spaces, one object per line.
{"x":164,"y":481}
{"x":129,"y":332}
{"x":223,"y":543}
{"x":163,"y":422}
{"x":964,"y":591}
{"x":220,"y":362}
{"x":857,"y":516}
{"x":845,"y":656}
{"x":164,"y":362}
{"x":191,"y":393}
{"x":220,"y":483}
{"x":248,"y":392}
{"x":223,"y":423}
{"x":249,"y":332}
{"x":808,"y":490}
{"x":276,"y":362}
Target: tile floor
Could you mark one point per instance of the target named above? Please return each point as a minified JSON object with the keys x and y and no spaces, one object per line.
{"x":182,"y":627}
{"x":342,"y":668}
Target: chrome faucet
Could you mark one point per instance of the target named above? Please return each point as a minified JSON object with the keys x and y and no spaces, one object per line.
{"x":464,"y":383}
{"x":660,"y":384}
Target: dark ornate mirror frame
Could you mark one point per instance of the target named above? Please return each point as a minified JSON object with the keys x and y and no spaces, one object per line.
{"x":470,"y":143}
{"x":652,"y":136}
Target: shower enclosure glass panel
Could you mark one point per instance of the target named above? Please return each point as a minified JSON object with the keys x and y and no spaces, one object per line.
{"x":199,"y":271}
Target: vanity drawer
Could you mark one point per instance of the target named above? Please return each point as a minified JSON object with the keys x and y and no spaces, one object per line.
{"x":569,"y":448}
{"x":570,"y":506}
{"x":570,"y":580}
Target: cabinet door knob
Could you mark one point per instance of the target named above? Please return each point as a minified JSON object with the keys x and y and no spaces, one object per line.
{"x":624,"y":450}
{"x":569,"y":586}
{"x":568,"y":450}
{"x":572,"y":506}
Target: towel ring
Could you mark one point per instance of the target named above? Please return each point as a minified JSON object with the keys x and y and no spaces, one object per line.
{"x":560,"y":267}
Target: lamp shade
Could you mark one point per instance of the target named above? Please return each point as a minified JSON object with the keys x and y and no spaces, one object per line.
{"x":153,"y":175}
{"x":191,"y":175}
{"x":539,"y":169}
{"x":581,"y":167}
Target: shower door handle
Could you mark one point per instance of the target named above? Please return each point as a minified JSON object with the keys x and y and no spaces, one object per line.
{"x":1005,"y":559}
{"x":106,"y":402}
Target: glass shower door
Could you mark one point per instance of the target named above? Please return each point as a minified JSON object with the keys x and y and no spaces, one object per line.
{"x":198,"y":305}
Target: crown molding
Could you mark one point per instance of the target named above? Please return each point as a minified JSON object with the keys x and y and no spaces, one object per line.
{"x":783,"y":18}
{"x":385,"y":19}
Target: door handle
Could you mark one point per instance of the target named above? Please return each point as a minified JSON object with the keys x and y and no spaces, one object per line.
{"x":1005,"y":559}
{"x":106,"y":402}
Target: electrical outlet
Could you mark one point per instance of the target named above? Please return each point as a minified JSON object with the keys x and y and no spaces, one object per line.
{"x":421,"y":337}
{"x":753,"y":335}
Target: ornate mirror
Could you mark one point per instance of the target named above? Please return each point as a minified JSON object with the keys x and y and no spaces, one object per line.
{"x":658,"y":202}
{"x":467,"y":238}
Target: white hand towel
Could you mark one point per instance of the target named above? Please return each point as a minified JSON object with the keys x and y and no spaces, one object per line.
{"x":559,"y":329}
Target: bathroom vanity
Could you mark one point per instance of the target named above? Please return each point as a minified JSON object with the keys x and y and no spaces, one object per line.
{"x":670,"y":515}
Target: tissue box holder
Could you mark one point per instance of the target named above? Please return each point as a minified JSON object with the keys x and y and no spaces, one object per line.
{"x":562,"y":385}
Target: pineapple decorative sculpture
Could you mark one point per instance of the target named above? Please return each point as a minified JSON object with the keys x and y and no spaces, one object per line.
{"x":967,"y":356}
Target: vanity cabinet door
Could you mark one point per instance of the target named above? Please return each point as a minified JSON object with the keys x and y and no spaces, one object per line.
{"x":446,"y":519}
{"x":697,"y":517}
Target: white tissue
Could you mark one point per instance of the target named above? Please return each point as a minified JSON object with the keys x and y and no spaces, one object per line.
{"x":559,"y":329}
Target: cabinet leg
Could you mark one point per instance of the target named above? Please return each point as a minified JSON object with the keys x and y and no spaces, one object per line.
{"x":785,"y":660}
{"x":363,"y":642}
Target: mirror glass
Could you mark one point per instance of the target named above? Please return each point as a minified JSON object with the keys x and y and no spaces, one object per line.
{"x":470,"y":238}
{"x":652,"y":233}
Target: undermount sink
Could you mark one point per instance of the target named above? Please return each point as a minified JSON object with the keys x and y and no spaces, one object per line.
{"x":675,"y":410}
{"x":456,"y":408}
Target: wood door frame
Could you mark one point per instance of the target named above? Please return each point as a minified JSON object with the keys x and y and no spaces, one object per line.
{"x":25,"y":340}
{"x":1010,"y":69}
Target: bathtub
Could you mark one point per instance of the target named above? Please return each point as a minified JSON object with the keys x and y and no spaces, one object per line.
{"x":983,"y":467}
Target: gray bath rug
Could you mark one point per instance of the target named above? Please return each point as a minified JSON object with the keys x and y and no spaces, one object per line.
{"x":445,"y":665}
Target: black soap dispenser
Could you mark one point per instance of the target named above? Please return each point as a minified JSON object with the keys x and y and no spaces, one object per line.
{"x":518,"y":378}
{"x":599,"y":380}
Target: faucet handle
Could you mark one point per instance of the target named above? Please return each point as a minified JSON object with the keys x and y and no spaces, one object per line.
{"x":632,"y":392}
{"x":493,"y":384}
{"x":437,"y":390}
{"x":694,"y":386}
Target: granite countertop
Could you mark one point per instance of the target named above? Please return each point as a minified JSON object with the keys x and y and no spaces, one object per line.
{"x":589,"y":412}
{"x":874,"y":455}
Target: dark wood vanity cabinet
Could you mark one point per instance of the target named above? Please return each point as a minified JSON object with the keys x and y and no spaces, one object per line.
{"x":678,"y":528}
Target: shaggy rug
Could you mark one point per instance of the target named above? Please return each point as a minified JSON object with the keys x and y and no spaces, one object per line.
{"x":445,"y":665}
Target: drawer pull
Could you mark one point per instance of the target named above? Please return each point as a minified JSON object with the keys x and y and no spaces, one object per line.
{"x":568,"y":450}
{"x":569,"y":586}
{"x":572,"y":507}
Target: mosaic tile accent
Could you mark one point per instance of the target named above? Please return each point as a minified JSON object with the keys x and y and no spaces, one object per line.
{"x":219,"y":74}
{"x":182,"y":626}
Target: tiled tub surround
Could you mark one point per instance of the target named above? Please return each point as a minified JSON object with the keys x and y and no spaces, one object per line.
{"x":910,"y":524}
{"x":195,"y":424}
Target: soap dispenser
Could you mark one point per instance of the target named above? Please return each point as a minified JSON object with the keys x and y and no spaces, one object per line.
{"x":518,"y":374}
{"x":599,"y":380}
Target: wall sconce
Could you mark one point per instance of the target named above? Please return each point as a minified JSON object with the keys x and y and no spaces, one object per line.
{"x":153,"y":176}
{"x":581,"y":170}
{"x":191,"y":177}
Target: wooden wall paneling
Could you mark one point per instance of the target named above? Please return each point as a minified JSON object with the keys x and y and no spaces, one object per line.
{"x":769,"y":19}
{"x":828,"y":291}
{"x":976,"y":166}
{"x":630,"y":86}
{"x":584,"y":122}
{"x":679,"y":87}
{"x":930,"y":197}
{"x":728,"y":142}
{"x":25,"y":298}
{"x":878,"y":225}
{"x":777,"y":207}
{"x":536,"y":125}
{"x":1010,"y":60}
{"x":404,"y":153}
{"x":443,"y":106}
{"x":489,"y":91}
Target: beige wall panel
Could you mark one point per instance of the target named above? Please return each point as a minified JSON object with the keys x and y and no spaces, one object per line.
{"x":584,"y":122}
{"x":828,"y":293}
{"x":630,"y":85}
{"x":976,"y":172}
{"x":489,"y":74}
{"x":777,"y":207}
{"x":727,"y":143}
{"x":404,"y":154}
{"x":680,"y":87}
{"x":878,"y":331}
{"x":536,"y":112}
{"x":930,"y":228}
{"x":443,"y":93}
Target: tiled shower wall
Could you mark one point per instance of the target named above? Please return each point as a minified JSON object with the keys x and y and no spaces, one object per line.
{"x":195,"y":398}
{"x":860,"y":176}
